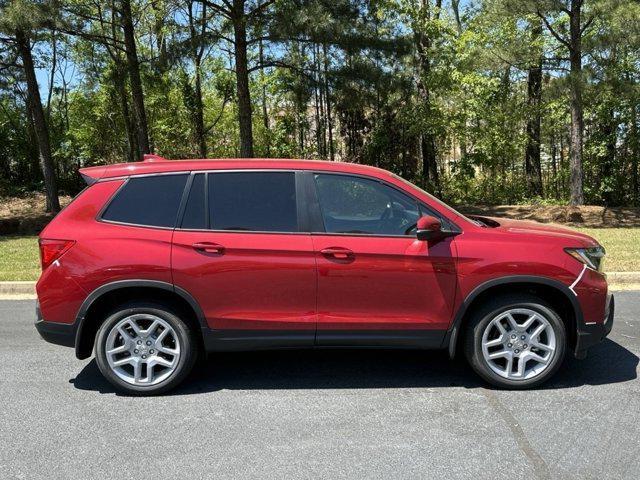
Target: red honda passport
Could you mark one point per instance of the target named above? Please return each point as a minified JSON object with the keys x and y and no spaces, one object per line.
{"x":158,"y":262}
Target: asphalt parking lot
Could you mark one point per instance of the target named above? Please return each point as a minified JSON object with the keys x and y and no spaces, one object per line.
{"x":319,"y":414}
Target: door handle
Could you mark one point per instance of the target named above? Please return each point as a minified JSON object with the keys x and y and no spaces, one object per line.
{"x":208,"y":247}
{"x":337,"y":252}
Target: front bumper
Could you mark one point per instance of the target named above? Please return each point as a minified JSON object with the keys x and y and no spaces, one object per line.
{"x":589,"y":335}
{"x":58,"y":333}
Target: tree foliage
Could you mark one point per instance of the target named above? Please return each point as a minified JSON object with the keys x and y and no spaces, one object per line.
{"x":486,"y":101}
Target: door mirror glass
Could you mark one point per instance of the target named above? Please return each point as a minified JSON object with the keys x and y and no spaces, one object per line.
{"x":428,"y":228}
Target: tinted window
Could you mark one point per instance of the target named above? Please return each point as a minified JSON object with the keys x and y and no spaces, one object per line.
{"x":358,"y":205}
{"x":148,"y":201}
{"x":195,"y":215}
{"x":258,"y":201}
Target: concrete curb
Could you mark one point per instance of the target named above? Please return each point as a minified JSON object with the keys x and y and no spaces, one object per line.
{"x":623,"y":278}
{"x":617,"y":281}
{"x":17,"y":288}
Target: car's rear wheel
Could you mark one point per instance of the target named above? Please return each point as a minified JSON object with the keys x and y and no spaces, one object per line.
{"x":515,"y":341}
{"x":145,"y":348}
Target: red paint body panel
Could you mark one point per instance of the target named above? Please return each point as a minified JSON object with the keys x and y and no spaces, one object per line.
{"x":260,"y":281}
{"x":304,"y":281}
{"x":385,"y":283}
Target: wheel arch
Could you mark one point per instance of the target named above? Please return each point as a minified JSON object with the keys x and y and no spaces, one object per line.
{"x":555,"y":292}
{"x":106,"y":297}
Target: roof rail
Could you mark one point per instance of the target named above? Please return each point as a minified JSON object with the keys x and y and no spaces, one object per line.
{"x":150,"y":157}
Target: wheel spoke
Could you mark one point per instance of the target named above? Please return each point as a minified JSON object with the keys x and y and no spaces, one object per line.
{"x":494,"y":343}
{"x":150,"y":372}
{"x":137,"y":371}
{"x":509,"y":368}
{"x":538,"y":358}
{"x":529,"y":322}
{"x":121,"y":349}
{"x":500,"y":354}
{"x":541,"y":346}
{"x":167,"y":350}
{"x":135,"y":327}
{"x":162,"y":362}
{"x":536,"y":333}
{"x":512,"y":322}
{"x":522,"y":364}
{"x":154,"y":326}
{"x":124,"y":334}
{"x":163,"y":334}
{"x":123,"y":361}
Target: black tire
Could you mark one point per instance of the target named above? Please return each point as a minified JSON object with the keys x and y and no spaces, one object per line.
{"x":189,"y":347}
{"x":480,"y":320}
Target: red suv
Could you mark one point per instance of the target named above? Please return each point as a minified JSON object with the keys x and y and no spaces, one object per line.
{"x":157,"y":262}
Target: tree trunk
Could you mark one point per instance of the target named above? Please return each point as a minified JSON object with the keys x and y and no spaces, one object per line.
{"x":134,"y":78}
{"x":242,"y":79}
{"x":533,"y":168}
{"x":39,"y":123}
{"x":328,"y":100}
{"x":265,"y":109}
{"x":317,"y":101}
{"x":577,"y":117}
{"x":455,"y":6}
{"x":121,"y":93}
{"x":635,"y":153}
{"x":198,"y":114}
{"x":554,"y":164}
{"x":427,"y":140}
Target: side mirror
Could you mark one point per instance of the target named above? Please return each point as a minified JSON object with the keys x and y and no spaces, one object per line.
{"x":428,"y":228}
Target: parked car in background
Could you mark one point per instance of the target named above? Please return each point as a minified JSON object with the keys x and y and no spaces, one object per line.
{"x":157,"y":262}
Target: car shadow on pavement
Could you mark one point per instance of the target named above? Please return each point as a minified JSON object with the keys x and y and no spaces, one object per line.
{"x":607,"y":363}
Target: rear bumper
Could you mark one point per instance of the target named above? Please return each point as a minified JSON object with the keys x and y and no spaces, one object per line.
{"x":589,"y":335}
{"x":58,"y":333}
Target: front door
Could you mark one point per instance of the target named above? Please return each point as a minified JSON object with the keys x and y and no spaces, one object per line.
{"x":377,"y":284}
{"x":239,"y":252}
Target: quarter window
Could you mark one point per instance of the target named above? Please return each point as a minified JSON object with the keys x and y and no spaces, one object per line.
{"x":152,"y":201}
{"x":358,"y":205}
{"x":254,"y":201}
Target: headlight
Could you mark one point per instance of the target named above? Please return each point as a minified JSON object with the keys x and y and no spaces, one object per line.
{"x":592,"y":257}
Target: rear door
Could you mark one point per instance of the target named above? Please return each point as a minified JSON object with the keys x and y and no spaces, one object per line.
{"x":377,"y":284}
{"x":240,"y":251}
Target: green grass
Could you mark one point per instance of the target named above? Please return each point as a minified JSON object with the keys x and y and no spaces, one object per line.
{"x":622,"y":246}
{"x":19,"y":258}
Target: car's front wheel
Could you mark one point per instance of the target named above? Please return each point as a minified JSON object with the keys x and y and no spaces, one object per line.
{"x":515,"y":341}
{"x":144,"y":348}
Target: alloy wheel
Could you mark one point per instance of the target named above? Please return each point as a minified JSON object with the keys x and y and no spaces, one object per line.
{"x":519,"y":344}
{"x":142,"y":349}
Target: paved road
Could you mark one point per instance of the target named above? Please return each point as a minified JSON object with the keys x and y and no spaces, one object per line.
{"x":325,"y":414}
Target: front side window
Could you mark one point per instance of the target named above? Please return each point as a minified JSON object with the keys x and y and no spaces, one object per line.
{"x":150,"y":201}
{"x":253,"y":201}
{"x":355,"y":205}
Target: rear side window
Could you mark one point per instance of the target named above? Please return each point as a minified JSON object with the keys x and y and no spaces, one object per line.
{"x":151,"y":201}
{"x":254,"y":201}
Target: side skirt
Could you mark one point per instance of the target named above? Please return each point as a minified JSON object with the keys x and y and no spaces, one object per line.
{"x":246,"y":340}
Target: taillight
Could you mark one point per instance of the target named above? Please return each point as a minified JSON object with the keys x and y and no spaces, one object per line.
{"x":51,"y":250}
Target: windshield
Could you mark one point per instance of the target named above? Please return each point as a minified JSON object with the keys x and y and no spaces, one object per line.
{"x":438,"y":201}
